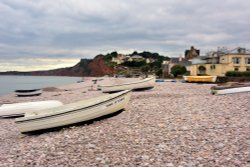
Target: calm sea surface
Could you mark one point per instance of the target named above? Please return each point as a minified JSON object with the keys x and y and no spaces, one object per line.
{"x":8,"y":84}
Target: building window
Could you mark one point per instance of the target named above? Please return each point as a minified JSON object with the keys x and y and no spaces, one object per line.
{"x":247,"y":60}
{"x":248,"y":69}
{"x":202,"y":70}
{"x":236,"y":60}
{"x":236,"y":69}
{"x":212,"y":67}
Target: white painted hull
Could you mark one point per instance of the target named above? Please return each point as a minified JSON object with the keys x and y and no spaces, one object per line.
{"x":33,"y":93}
{"x":18,"y":109}
{"x":231,"y":90}
{"x":230,"y":86}
{"x":73,"y":113}
{"x":142,"y":84}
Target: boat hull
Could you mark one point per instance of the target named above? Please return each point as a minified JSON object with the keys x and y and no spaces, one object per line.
{"x":144,"y":84}
{"x":26,"y":93}
{"x":74,"y":113}
{"x":229,"y":86}
{"x":18,"y":109}
{"x":205,"y":79}
{"x":230,"y":90}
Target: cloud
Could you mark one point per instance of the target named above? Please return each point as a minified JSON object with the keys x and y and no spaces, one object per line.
{"x":73,"y":29}
{"x":32,"y":64}
{"x":209,"y":38}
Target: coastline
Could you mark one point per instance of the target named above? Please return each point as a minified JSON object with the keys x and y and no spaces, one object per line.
{"x":10,"y":83}
{"x":174,"y":124}
{"x":67,"y":93}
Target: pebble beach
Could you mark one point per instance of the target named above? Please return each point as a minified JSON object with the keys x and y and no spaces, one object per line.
{"x":173,"y":124}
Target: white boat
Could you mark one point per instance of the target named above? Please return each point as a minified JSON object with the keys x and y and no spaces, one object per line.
{"x":18,"y":109}
{"x":25,"y":93}
{"x":230,"y":90}
{"x":147,"y":83}
{"x":229,"y":86}
{"x":73,"y":113}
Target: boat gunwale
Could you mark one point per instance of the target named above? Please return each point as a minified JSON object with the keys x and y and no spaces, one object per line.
{"x":229,"y":87}
{"x":218,"y":92}
{"x":28,"y":95}
{"x":12,"y":115}
{"x":27,"y":91}
{"x":144,"y":80}
{"x":200,"y":76}
{"x":18,"y":109}
{"x":136,"y":89}
{"x":200,"y":79}
{"x":39,"y":117}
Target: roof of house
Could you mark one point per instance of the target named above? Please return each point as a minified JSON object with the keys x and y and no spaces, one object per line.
{"x":137,"y":57}
{"x":202,"y":57}
{"x":183,"y":61}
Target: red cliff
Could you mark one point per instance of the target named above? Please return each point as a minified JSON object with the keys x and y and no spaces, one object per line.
{"x":98,"y":67}
{"x":86,"y":67}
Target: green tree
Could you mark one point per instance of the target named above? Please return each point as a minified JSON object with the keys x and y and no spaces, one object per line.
{"x":114,"y":54}
{"x":135,"y":53}
{"x":145,"y":70}
{"x":134,"y":63}
{"x":238,"y":74}
{"x":159,"y":72}
{"x":178,"y":70}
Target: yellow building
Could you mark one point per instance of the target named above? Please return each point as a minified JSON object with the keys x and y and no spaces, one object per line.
{"x":218,"y":64}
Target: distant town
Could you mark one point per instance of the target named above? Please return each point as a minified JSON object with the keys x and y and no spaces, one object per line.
{"x":222,"y":62}
{"x":216,"y":63}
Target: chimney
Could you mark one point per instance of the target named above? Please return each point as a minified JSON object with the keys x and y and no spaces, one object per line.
{"x":241,"y":50}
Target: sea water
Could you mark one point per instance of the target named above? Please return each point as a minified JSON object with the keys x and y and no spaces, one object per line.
{"x":9,"y":84}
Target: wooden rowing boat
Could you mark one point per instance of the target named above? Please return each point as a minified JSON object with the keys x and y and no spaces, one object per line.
{"x":229,"y":85}
{"x":26,"y":93}
{"x":147,"y":83}
{"x":73,"y":113}
{"x":18,"y":109}
{"x":230,"y":90}
{"x":205,"y":79}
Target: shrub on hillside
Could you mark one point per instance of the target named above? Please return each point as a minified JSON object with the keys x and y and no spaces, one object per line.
{"x":238,"y":74}
{"x":134,"y":63}
{"x":159,"y":72}
{"x":145,"y":70}
{"x":178,"y":70}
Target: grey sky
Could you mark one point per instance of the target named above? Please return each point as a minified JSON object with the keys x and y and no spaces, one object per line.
{"x":58,"y":33}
